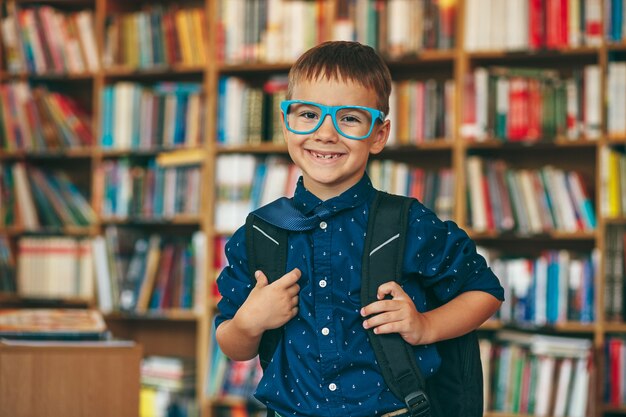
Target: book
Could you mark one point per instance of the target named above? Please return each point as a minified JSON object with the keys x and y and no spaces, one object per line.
{"x":52,"y":324}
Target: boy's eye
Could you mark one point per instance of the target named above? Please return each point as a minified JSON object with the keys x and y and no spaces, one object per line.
{"x":309,"y":115}
{"x":350,"y":119}
{"x":353,"y":116}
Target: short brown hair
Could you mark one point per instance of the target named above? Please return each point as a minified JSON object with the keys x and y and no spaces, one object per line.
{"x":344,"y":60}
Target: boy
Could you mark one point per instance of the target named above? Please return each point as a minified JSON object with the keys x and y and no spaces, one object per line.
{"x":324,"y":364}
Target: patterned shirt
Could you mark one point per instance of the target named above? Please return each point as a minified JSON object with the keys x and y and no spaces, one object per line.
{"x":325,"y":366}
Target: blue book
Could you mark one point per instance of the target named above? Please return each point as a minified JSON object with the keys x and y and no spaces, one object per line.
{"x":106,"y":141}
{"x":257,"y":184}
{"x":552,"y":303}
{"x":221,"y":109}
{"x":136,"y":122}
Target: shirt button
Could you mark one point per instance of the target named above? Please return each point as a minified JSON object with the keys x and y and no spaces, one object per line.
{"x":332,"y":386}
{"x":322,"y":283}
{"x":325,"y":331}
{"x":323,"y":225}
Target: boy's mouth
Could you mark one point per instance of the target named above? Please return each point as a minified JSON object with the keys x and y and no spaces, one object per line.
{"x":325,"y":155}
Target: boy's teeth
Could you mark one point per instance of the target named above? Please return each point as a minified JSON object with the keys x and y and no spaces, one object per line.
{"x":325,"y":156}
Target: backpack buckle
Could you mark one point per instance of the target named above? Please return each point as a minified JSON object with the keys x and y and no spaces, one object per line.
{"x":418,"y":404}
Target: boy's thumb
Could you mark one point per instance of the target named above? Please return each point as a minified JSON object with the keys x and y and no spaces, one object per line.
{"x":261,"y":279}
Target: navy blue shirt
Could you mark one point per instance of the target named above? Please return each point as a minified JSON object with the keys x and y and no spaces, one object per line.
{"x":325,"y":366}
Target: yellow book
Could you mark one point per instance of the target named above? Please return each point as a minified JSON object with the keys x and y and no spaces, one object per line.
{"x":613,"y":189}
{"x":185,"y":156}
{"x":184,"y":40}
{"x":198,"y":35}
{"x":148,"y":402}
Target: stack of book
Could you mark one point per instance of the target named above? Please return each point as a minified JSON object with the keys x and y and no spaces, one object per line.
{"x":52,"y":324}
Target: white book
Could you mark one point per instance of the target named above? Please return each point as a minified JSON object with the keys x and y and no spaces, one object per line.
{"x":580,"y":389}
{"x":486,"y":347}
{"x":24,"y":197}
{"x":472,"y":15}
{"x":273,"y":39}
{"x":71,"y":46}
{"x":393,"y":115}
{"x":103,"y":276}
{"x":84,"y":24}
{"x":487,"y":18}
{"x":593,"y":19}
{"x":499,"y":27}
{"x":530,"y":200}
{"x":234,"y":104}
{"x":275,"y":180}
{"x":397,"y":26}
{"x":593,"y":101}
{"x":476,"y":193}
{"x":541,"y":290}
{"x":400,"y":178}
{"x":561,"y":398}
{"x":122,"y":103}
{"x":86,"y":285}
{"x":481,"y":85}
{"x":543,"y":392}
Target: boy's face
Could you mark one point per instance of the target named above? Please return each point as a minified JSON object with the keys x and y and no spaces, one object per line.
{"x":330,"y":162}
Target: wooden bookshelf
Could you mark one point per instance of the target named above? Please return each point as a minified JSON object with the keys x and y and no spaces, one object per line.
{"x":187,"y":332}
{"x":69,"y":378}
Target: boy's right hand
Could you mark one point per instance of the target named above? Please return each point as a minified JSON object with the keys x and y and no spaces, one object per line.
{"x":269,"y":306}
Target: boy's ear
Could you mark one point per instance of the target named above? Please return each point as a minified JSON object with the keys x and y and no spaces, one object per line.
{"x":380,"y":137}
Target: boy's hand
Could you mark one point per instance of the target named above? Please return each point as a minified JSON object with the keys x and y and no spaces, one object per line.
{"x":269,"y":306}
{"x":395,"y":315}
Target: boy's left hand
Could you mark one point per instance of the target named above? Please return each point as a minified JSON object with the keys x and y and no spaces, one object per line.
{"x":395,"y":315}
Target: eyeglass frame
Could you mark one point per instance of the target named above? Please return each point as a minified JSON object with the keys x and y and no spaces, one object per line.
{"x":377,"y":115}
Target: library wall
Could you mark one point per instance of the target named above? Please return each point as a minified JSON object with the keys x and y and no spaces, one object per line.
{"x":136,"y":136}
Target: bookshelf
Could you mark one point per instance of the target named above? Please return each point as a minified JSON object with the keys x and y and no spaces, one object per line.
{"x":138,"y":72}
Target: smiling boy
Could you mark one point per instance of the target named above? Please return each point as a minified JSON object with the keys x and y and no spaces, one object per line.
{"x":324,"y":365}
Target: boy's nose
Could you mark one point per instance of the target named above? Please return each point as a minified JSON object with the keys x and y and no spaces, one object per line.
{"x":327,"y":131}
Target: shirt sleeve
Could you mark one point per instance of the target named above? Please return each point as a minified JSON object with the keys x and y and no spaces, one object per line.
{"x":234,"y":282}
{"x":445,"y":257}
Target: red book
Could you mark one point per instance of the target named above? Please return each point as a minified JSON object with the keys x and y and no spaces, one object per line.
{"x":518,"y":109}
{"x":615,"y":364}
{"x":536,"y":24}
{"x":534,"y":112}
{"x":488,"y":205}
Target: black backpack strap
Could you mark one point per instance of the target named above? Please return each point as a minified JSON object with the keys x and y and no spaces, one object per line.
{"x":382,"y":261}
{"x":266,"y":248}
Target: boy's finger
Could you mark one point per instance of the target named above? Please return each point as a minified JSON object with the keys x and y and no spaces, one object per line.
{"x":261,"y":279}
{"x":391,"y":289}
{"x":378,"y":307}
{"x":289,"y":278}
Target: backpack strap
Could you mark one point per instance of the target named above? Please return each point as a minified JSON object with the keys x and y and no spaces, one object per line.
{"x":266,"y":247}
{"x":382,"y":261}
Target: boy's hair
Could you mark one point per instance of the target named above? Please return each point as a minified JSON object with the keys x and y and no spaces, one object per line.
{"x":344,"y":61}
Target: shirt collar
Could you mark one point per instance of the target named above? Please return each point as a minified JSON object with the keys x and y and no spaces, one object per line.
{"x":356,"y":195}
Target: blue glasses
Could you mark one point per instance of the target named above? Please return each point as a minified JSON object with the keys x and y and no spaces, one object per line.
{"x":353,"y":122}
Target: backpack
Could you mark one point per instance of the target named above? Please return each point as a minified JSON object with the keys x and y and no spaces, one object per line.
{"x":456,"y":389}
